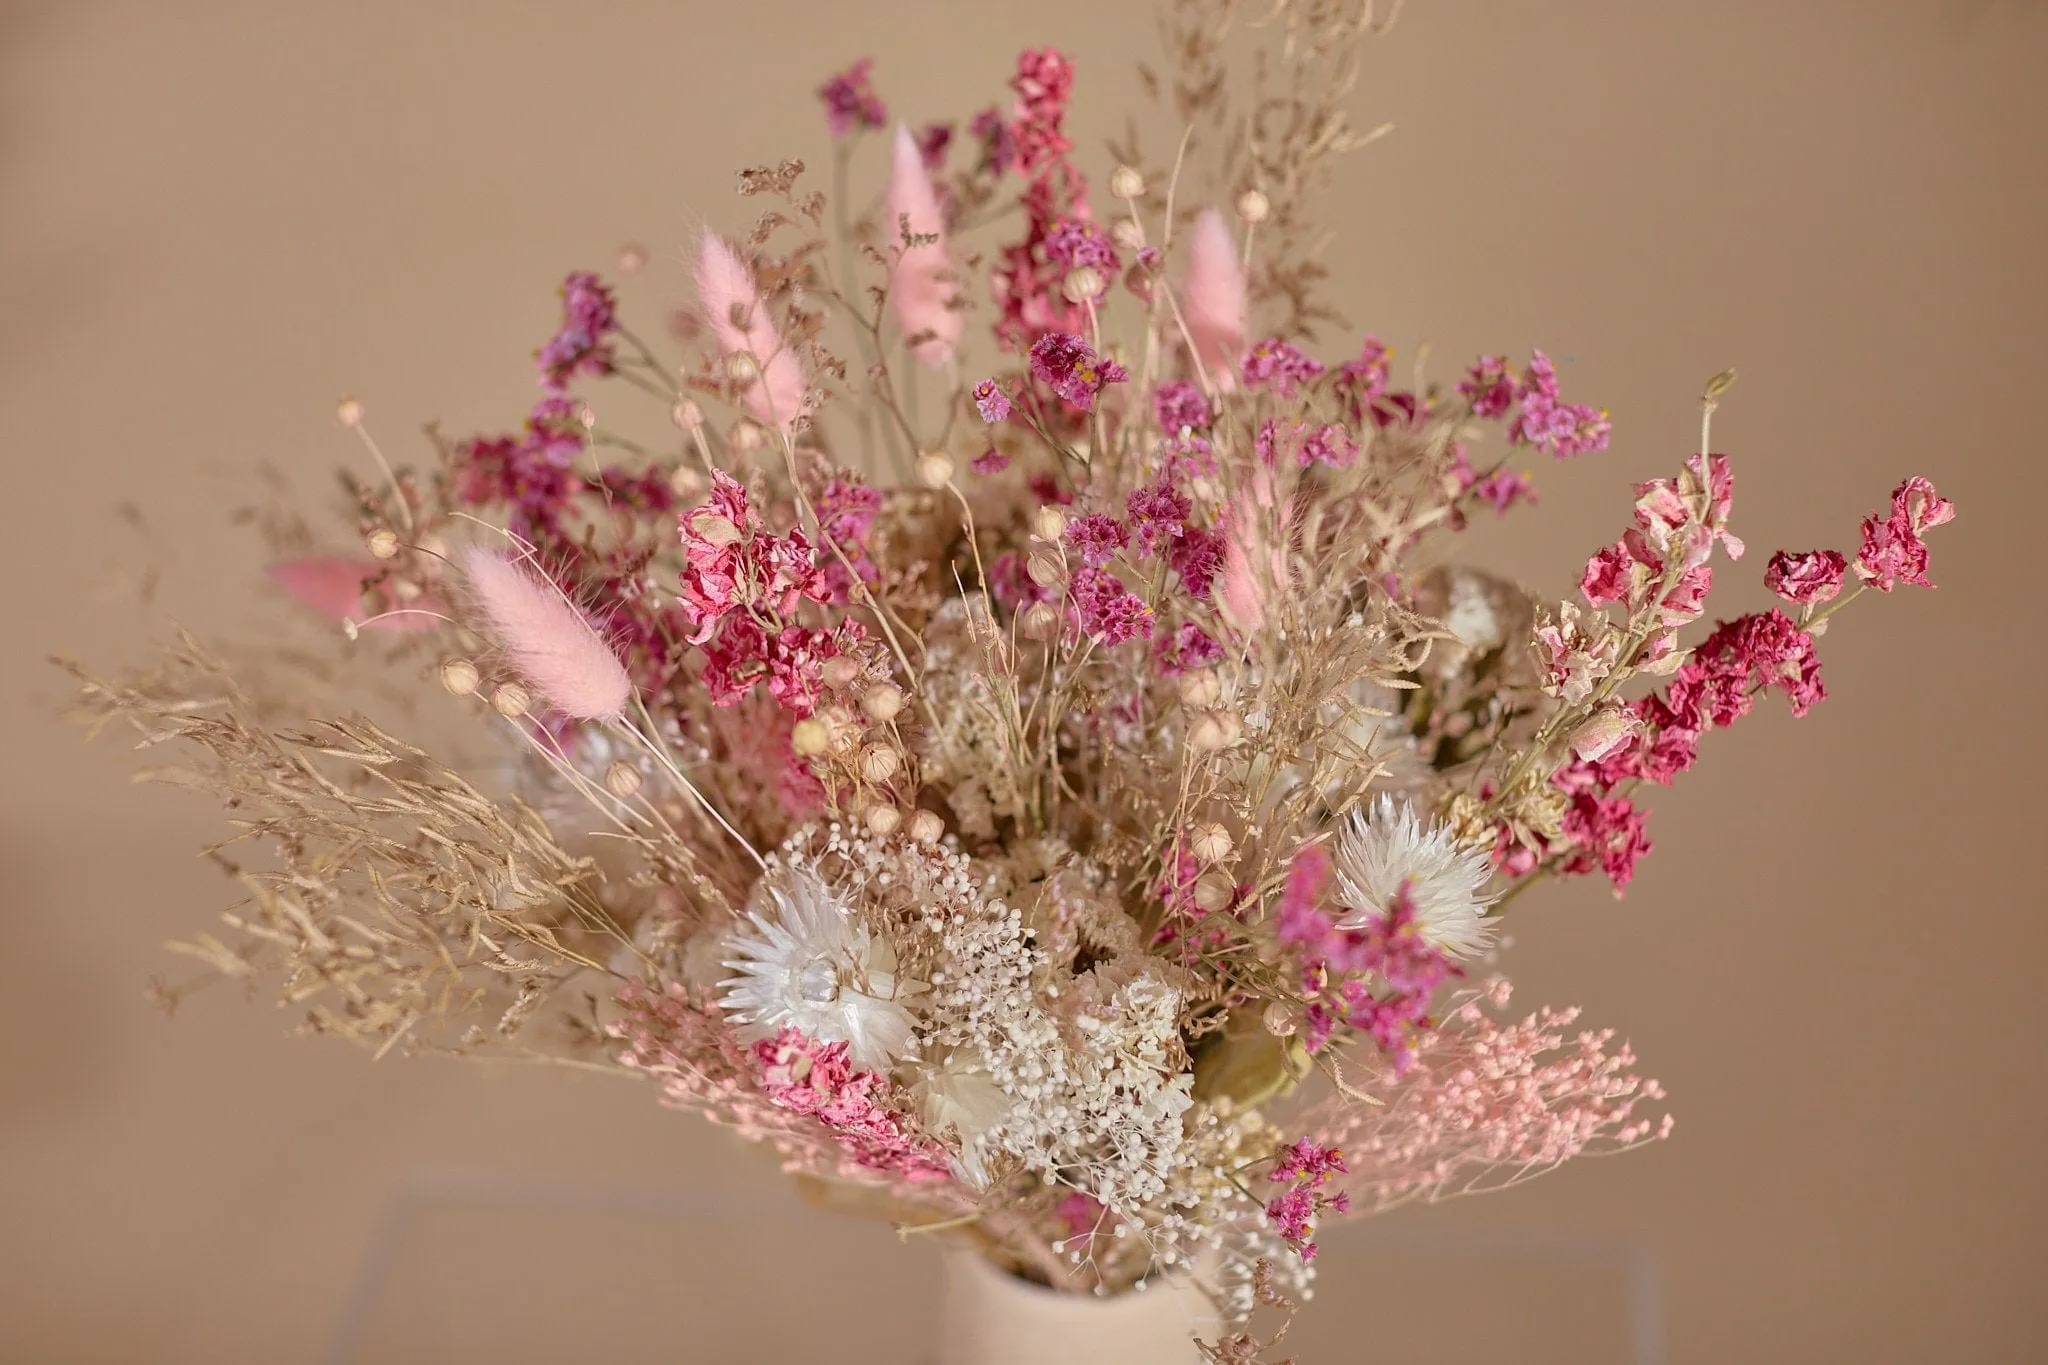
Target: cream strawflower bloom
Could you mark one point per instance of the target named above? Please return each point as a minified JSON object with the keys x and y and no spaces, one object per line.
{"x":1376,"y":854}
{"x":810,"y":964}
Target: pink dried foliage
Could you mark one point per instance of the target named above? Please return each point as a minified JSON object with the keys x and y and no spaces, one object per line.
{"x":921,"y":288}
{"x":740,"y":321}
{"x":547,"y":639}
{"x":1487,"y":1105}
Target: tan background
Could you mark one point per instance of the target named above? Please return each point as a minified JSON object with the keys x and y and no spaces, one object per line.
{"x":220,"y":217}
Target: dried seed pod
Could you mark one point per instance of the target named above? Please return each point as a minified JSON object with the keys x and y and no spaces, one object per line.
{"x":1278,"y":1021}
{"x":1212,"y":843}
{"x":349,"y":412}
{"x":459,"y":677}
{"x":1129,"y":236}
{"x":1041,"y":621}
{"x":511,"y":700}
{"x":1048,"y":523}
{"x":884,"y":821}
{"x":687,"y":415}
{"x":382,"y":543}
{"x":879,"y":763}
{"x":1126,"y":182}
{"x":1082,"y":284}
{"x":839,"y":671}
{"x":926,"y":827}
{"x":622,"y":779}
{"x":686,"y":482}
{"x":1201,"y":688}
{"x":1253,"y":206}
{"x":810,"y":737}
{"x":1214,"y":730}
{"x":1214,"y":891}
{"x":934,"y":470}
{"x":1045,"y":569}
{"x":843,"y":729}
{"x":883,"y":701}
{"x":741,"y":369}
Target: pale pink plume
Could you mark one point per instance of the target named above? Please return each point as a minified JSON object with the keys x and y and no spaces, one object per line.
{"x":922,"y":286}
{"x":1213,"y":298}
{"x":1239,"y":592}
{"x":740,"y":321}
{"x":333,"y":586}
{"x":548,"y":640}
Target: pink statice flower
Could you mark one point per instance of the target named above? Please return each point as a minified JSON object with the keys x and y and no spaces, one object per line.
{"x":991,"y":402}
{"x":1077,"y":242}
{"x":1158,"y":513}
{"x":932,"y":142}
{"x":851,"y":104}
{"x":1362,"y":381}
{"x":1503,"y":489}
{"x":1180,"y":409}
{"x":1491,"y":387}
{"x":1198,"y":554}
{"x":1329,"y":444}
{"x":582,"y":344}
{"x":1096,"y":539}
{"x":1070,"y":367}
{"x":1279,"y":366}
{"x":1106,"y":609}
{"x":1549,"y":423}
{"x":1306,"y":1167}
{"x":1186,"y":647}
{"x":990,"y":461}
{"x":1808,"y":578}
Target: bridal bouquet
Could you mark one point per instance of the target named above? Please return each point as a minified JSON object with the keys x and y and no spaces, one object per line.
{"x":1022,"y":744}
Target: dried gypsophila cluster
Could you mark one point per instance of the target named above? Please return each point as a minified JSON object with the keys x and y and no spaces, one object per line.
{"x":1071,"y":843}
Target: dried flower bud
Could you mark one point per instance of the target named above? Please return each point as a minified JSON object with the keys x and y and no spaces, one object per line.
{"x":810,"y":737}
{"x":406,"y":590}
{"x":1040,"y":622}
{"x":686,"y":482}
{"x":382,"y":543}
{"x":1277,"y":1020}
{"x":934,"y":470}
{"x":878,"y":763}
{"x":632,"y":258}
{"x":1212,"y":843}
{"x":1215,"y":891}
{"x":1215,"y":730}
{"x":1045,"y":569}
{"x":687,"y":415}
{"x":511,"y":700}
{"x":349,"y":412}
{"x":839,"y":671}
{"x":883,"y":701}
{"x":1603,"y":732}
{"x":745,"y":437}
{"x":884,"y":821}
{"x":926,"y":827}
{"x":622,"y":779}
{"x":1082,"y":284}
{"x":741,"y":369}
{"x":1048,"y":523}
{"x":586,"y":415}
{"x":459,"y":677}
{"x":1253,"y":206}
{"x":1201,"y":688}
{"x":1126,"y":182}
{"x":1127,"y":234}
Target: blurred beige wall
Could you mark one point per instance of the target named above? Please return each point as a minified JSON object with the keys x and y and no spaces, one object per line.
{"x":220,"y":217}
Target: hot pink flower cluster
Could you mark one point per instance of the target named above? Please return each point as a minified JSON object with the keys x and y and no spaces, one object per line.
{"x":1027,"y":277}
{"x":1378,"y":979}
{"x":1308,"y":1166}
{"x":809,"y":1077}
{"x":583,"y":344}
{"x":850,"y":101}
{"x":1545,"y":421}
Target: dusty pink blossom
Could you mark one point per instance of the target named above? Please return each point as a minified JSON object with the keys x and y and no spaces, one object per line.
{"x":1812,"y":577}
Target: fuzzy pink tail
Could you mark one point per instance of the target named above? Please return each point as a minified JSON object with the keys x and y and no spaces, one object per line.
{"x":549,"y":642}
{"x":733,"y":307}
{"x":922,"y":287}
{"x":333,"y":586}
{"x":1213,"y":298}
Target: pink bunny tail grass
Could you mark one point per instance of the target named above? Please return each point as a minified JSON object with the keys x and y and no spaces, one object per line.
{"x":733,"y":307}
{"x":549,"y":641}
{"x":1213,"y":298}
{"x":1239,"y":593}
{"x":333,"y":586}
{"x":922,"y":286}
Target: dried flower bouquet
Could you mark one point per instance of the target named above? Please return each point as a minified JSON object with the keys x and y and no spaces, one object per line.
{"x":1088,"y":840}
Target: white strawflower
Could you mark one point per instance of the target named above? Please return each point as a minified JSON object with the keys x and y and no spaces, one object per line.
{"x":810,"y":964}
{"x":962,"y":1098}
{"x":1376,"y":855}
